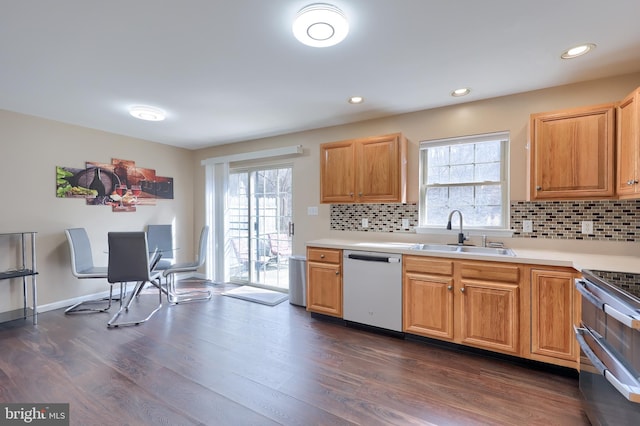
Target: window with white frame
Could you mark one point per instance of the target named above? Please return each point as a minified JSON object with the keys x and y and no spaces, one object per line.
{"x":469,"y":174}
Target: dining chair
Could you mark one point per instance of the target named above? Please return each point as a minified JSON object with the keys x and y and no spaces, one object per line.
{"x":161,"y":237}
{"x":129,"y":261}
{"x":82,"y":267}
{"x":174,"y":295}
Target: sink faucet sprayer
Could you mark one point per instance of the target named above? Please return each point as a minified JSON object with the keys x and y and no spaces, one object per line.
{"x":461,"y":236}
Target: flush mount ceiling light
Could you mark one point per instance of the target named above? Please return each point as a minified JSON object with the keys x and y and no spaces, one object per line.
{"x":574,"y":52}
{"x":356,"y":100}
{"x":461,"y":92}
{"x":148,"y":113}
{"x":320,"y":25}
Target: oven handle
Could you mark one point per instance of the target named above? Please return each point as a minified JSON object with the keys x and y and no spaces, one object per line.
{"x":623,"y":318}
{"x":630,"y":392}
{"x":587,"y":350}
{"x":581,"y":286}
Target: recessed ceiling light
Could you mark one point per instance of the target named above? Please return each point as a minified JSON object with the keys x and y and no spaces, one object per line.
{"x":574,"y":52}
{"x":148,"y":113}
{"x":356,"y":100}
{"x":463,"y":91}
{"x":320,"y":25}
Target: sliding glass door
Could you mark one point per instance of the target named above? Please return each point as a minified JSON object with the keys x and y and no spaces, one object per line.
{"x":259,"y":227}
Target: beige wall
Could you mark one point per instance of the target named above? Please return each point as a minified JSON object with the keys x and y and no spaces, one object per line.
{"x":31,"y":148}
{"x":505,"y":113}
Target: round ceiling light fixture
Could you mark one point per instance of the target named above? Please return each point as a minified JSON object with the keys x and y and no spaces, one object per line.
{"x":147,"y":113}
{"x":461,"y":92}
{"x":320,"y":25}
{"x":574,"y":52}
{"x":356,"y":100}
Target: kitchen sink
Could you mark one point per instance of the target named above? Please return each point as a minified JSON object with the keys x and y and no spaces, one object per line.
{"x":489,"y":251}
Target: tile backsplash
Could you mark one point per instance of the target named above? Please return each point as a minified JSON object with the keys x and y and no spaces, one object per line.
{"x":613,"y":220}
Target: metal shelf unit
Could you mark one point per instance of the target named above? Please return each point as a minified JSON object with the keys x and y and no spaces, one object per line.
{"x":25,"y":271}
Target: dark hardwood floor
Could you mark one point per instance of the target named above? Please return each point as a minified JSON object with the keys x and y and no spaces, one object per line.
{"x":233,"y":362}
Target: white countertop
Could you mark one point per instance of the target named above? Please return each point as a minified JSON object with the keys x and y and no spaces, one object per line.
{"x":574,"y":260}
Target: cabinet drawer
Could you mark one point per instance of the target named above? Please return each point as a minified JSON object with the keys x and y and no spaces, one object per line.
{"x":428,"y":265}
{"x":490,"y":271}
{"x":323,"y":255}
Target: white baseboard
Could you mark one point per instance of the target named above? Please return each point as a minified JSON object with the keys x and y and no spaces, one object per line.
{"x":68,"y":302}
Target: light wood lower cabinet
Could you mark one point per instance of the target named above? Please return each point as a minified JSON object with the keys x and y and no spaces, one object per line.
{"x":324,"y":281}
{"x":428,"y":297}
{"x":521,"y":310}
{"x":471,"y":303}
{"x":555,"y":308}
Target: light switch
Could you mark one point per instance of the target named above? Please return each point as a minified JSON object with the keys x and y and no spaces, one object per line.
{"x":365,"y":222}
{"x":312,"y":211}
{"x":405,"y":223}
{"x":527,"y":226}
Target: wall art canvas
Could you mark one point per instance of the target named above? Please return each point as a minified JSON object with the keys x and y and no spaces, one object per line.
{"x":120,"y":184}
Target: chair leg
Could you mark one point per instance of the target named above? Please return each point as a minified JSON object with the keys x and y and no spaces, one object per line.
{"x":175,"y":297}
{"x":125,"y":308}
{"x":78,"y":309}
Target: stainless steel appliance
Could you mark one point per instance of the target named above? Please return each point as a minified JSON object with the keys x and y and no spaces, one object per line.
{"x":372,"y":289}
{"x":609,"y":338}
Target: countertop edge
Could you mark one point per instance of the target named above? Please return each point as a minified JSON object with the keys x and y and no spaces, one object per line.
{"x":575,"y":260}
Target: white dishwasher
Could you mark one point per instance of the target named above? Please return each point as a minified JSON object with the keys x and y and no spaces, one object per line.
{"x":372,"y":289}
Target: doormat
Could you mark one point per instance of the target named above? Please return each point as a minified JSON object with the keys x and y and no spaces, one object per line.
{"x":258,"y":295}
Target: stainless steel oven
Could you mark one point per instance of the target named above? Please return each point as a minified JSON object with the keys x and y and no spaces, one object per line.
{"x":609,"y":338}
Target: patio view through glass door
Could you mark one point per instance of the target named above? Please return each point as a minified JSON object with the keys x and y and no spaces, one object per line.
{"x":258,"y":227}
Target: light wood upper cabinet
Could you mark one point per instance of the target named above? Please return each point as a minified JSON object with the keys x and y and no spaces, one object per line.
{"x":369,"y":170}
{"x":628,"y":146}
{"x":324,"y":281}
{"x":555,"y":309}
{"x":571,"y":153}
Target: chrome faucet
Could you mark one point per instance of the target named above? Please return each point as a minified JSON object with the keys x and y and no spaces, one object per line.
{"x":461,"y":236}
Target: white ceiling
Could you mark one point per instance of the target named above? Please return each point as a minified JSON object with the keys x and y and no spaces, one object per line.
{"x":231,"y":70}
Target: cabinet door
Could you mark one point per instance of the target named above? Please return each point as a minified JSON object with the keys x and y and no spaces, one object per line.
{"x":428,"y":305}
{"x":489,"y":315}
{"x":337,"y":174}
{"x":553,"y":314}
{"x":628,"y":139}
{"x":571,"y":154}
{"x":324,"y":288}
{"x":378,"y":177}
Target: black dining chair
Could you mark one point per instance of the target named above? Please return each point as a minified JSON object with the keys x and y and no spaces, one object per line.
{"x":82,"y":267}
{"x":175,"y":295}
{"x":130,"y":261}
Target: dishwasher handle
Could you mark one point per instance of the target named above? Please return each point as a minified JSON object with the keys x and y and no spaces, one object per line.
{"x":370,"y":258}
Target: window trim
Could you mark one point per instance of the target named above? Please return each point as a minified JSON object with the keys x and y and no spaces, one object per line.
{"x":501,"y":230}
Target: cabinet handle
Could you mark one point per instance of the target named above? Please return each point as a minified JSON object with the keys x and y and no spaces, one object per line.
{"x":462,"y":289}
{"x":322,"y":256}
{"x":337,"y":273}
{"x":359,"y":194}
{"x":449,"y":287}
{"x":538,"y":188}
{"x":632,"y":182}
{"x":351,"y":194}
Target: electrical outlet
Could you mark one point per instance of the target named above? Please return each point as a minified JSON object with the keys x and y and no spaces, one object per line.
{"x":405,"y":223}
{"x":587,"y":227}
{"x":365,"y":222}
{"x":527,"y":226}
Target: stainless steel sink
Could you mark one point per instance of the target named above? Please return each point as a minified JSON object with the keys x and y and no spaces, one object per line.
{"x":489,"y":251}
